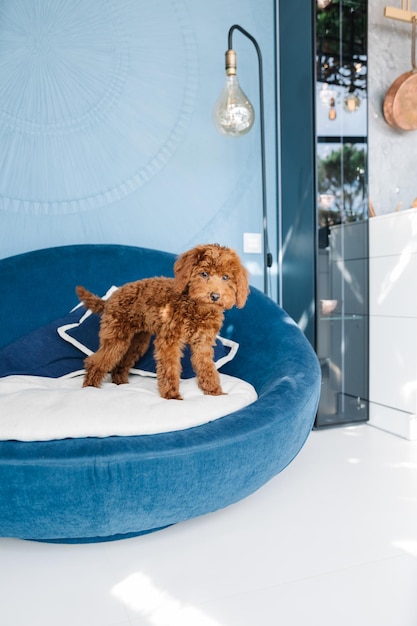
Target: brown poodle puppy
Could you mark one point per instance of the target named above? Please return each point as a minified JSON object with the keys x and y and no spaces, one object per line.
{"x":186,"y":309}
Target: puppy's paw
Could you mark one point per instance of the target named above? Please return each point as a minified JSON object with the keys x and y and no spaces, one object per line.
{"x":93,"y":376}
{"x":119,"y":379}
{"x":171,"y":395}
{"x":87,"y":383}
{"x":218,"y":391}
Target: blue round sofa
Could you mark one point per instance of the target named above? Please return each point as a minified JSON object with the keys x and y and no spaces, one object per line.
{"x":96,"y":489}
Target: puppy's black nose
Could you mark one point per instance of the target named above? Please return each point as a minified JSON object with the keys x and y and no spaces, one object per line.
{"x":214,"y":296}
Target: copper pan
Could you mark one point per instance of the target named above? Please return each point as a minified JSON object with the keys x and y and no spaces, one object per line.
{"x":400,"y":103}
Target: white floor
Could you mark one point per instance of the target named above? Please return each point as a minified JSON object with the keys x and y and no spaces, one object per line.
{"x":331,"y":541}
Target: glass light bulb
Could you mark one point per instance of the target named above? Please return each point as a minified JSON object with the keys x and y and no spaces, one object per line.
{"x":233,"y":113}
{"x":323,"y":4}
{"x":351,"y":103}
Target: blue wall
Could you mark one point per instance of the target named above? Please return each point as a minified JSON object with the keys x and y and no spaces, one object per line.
{"x":105,"y":125}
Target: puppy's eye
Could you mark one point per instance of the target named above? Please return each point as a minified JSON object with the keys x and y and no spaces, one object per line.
{"x":225,"y":277}
{"x":204,"y":274}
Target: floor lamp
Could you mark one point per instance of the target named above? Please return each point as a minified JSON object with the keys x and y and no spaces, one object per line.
{"x":234,"y":115}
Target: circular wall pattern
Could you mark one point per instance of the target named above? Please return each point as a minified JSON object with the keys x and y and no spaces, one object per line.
{"x":95,"y":99}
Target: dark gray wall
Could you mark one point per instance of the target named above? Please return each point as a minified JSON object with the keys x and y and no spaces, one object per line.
{"x":297,"y":157}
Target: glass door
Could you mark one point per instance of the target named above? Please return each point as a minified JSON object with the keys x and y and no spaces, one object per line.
{"x":342,"y":210}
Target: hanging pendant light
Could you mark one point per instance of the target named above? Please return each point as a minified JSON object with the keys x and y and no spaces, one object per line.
{"x":351,"y":102}
{"x":234,"y":115}
{"x":332,"y":110}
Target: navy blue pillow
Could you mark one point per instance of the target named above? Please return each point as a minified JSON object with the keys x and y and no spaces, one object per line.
{"x":84,"y":335}
{"x":59,"y":349}
{"x":43,"y":353}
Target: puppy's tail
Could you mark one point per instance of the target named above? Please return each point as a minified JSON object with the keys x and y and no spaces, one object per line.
{"x":92,"y":302}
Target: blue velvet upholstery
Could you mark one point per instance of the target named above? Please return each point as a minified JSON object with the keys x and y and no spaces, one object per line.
{"x":78,"y":490}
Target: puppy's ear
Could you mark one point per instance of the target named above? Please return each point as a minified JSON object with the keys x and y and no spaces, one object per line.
{"x":242,"y":290}
{"x":183,"y":267}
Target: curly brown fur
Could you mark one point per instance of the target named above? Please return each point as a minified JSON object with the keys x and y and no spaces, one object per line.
{"x":186,"y":309}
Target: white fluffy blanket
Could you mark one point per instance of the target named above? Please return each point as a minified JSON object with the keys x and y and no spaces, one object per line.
{"x":33,"y":408}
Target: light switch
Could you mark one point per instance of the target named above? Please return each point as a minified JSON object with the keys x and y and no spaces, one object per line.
{"x":252,"y":243}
